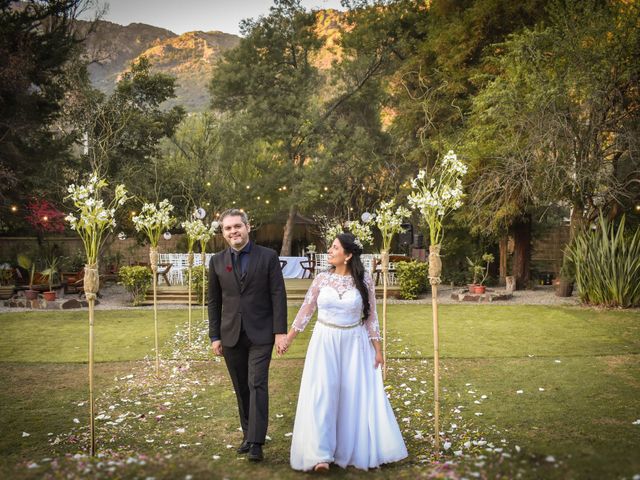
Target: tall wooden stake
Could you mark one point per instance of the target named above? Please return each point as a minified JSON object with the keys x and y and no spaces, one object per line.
{"x":435,"y":271}
{"x":153,"y":257}
{"x":91,"y":287}
{"x":190,"y":264}
{"x":204,"y":281}
{"x":190,"y":268}
{"x":91,"y":412}
{"x":436,"y":364}
{"x":385,"y":270}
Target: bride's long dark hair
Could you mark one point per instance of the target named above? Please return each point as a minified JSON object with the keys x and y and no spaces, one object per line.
{"x":347,"y":240}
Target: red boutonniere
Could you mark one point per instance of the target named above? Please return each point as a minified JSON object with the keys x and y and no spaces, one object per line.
{"x":229,"y":268}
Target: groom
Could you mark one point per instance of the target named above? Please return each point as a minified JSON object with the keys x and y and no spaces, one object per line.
{"x":247,"y":314}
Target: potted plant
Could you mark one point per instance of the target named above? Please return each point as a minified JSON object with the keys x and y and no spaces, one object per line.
{"x":49,"y":273}
{"x":480,"y":271}
{"x":30,"y":266}
{"x":7,"y":284}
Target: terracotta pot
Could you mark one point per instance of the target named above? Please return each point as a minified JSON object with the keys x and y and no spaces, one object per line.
{"x":49,"y":296}
{"x":479,"y":289}
{"x":471,"y":287}
{"x":31,"y":294}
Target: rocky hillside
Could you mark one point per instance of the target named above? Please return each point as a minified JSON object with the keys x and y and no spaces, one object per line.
{"x":189,"y":57}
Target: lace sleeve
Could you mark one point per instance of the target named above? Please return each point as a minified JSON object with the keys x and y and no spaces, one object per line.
{"x":371,"y":322}
{"x":309,"y":305}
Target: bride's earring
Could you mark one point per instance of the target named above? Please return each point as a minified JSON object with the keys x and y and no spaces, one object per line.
{"x":346,"y":262}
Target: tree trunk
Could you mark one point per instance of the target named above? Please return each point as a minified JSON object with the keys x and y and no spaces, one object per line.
{"x":287,"y":237}
{"x":521,"y":230}
{"x":504,"y":246}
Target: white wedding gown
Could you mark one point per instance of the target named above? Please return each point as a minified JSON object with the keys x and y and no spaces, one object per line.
{"x":343,"y":413}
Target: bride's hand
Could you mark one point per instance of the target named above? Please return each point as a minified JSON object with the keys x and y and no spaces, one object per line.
{"x":379,"y":360}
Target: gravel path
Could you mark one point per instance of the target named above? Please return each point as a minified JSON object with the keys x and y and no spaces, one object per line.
{"x":115,"y":297}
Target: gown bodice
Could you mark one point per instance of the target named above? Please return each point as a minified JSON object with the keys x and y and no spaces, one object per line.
{"x":339,"y":303}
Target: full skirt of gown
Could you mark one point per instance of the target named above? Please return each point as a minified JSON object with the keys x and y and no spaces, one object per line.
{"x":343,"y":414}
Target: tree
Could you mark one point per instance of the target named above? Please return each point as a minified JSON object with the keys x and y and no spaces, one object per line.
{"x":270,"y":83}
{"x":121,"y":132}
{"x":38,"y":46}
{"x":558,"y":121}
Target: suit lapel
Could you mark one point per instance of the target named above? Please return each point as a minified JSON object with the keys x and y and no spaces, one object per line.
{"x":228,"y":265}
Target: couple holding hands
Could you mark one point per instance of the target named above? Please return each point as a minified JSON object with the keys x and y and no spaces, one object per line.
{"x":343,"y":414}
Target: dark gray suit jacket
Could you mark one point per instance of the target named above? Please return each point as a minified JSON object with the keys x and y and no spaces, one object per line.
{"x":259,"y":303}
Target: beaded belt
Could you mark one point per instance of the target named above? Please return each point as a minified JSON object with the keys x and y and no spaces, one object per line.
{"x":342,"y":327}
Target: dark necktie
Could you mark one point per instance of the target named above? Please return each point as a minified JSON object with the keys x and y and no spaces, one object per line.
{"x":238,"y":264}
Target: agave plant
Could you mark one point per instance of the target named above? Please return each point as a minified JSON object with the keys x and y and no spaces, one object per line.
{"x":607,"y":264}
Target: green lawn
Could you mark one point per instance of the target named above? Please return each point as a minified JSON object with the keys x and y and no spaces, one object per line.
{"x":577,"y":369}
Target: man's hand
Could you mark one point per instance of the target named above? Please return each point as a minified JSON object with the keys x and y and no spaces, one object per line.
{"x":282,"y":344}
{"x":216,"y":346}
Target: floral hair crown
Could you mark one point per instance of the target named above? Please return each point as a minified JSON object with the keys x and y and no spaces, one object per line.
{"x":358,"y":243}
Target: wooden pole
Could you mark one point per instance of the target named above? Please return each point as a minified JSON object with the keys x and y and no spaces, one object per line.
{"x":385,"y":270}
{"x":91,"y":287}
{"x":91,"y":411}
{"x":204,"y":281}
{"x":435,"y":271}
{"x":190,"y":265}
{"x":190,"y":305}
{"x":153,"y":257}
{"x":436,"y":365}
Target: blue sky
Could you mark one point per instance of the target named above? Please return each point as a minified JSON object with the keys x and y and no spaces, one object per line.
{"x":181,"y":16}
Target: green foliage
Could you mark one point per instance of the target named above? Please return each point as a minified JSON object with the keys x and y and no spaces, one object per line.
{"x":607,"y":265}
{"x":39,"y":44}
{"x":197,"y":283}
{"x":527,"y":132}
{"x":136,"y":280}
{"x":51,"y":270}
{"x":124,"y":129}
{"x":413,"y":278}
{"x":29,"y":265}
{"x":479,"y":268}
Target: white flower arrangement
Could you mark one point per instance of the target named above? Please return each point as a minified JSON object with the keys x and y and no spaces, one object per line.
{"x":208,"y":232}
{"x":390,"y":222}
{"x":438,"y":193}
{"x":194,"y":229}
{"x":154,"y":219}
{"x":92,"y":217}
{"x":361,"y":231}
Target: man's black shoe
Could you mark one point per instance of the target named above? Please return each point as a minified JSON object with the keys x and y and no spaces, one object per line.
{"x":255,"y":453}
{"x":244,"y":448}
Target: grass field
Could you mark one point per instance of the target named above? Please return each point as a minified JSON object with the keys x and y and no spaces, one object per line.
{"x":529,"y":391}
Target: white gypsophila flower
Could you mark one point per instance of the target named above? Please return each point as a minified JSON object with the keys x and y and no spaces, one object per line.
{"x":154,"y":219}
{"x":438,"y":192}
{"x":92,"y":217}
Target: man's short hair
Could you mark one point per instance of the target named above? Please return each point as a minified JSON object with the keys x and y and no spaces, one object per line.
{"x":234,"y":212}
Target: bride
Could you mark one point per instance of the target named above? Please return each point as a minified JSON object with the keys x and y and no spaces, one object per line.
{"x":343,"y":414}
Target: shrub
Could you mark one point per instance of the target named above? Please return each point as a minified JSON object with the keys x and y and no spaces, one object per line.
{"x":197,"y":283}
{"x":413,"y":278}
{"x":136,"y":280}
{"x":607,"y":269}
